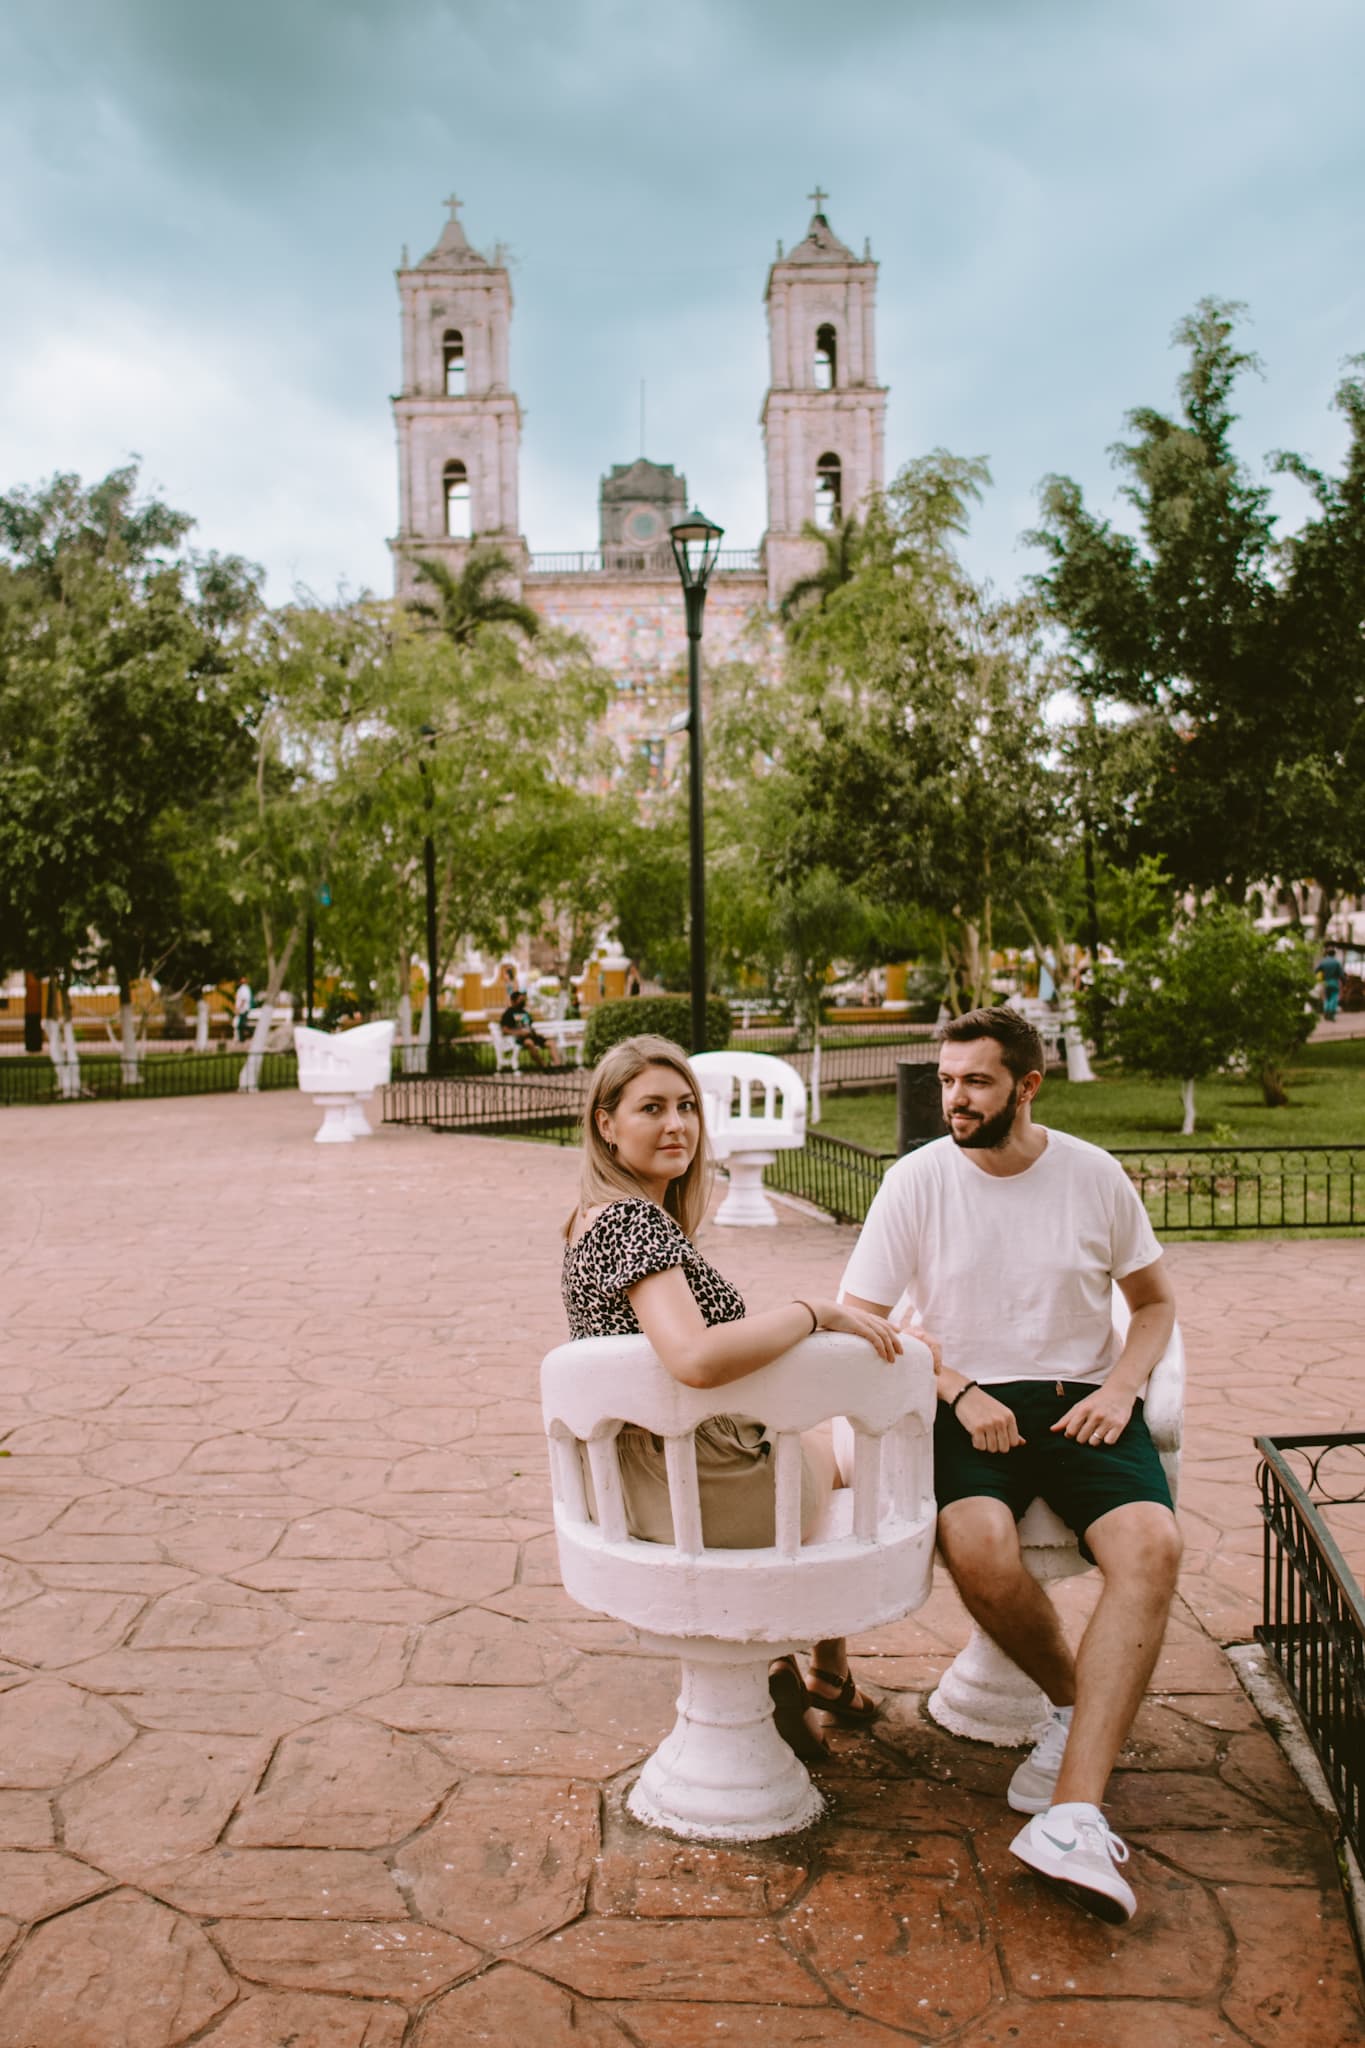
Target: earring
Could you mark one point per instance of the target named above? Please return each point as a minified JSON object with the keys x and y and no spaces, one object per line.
{"x":611,"y":1148}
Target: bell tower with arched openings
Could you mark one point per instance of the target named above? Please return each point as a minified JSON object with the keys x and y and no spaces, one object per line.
{"x":457,"y":419}
{"x":824,"y":415}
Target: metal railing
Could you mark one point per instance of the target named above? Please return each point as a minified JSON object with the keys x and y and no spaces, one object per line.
{"x":859,"y":1056}
{"x":653,"y":562}
{"x":1269,"y":1187}
{"x":831,"y":1173}
{"x":499,"y":1106}
{"x":34,"y":1078}
{"x":1313,"y":1615}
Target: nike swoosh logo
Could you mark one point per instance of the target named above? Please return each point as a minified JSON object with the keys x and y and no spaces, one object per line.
{"x":1056,"y":1843}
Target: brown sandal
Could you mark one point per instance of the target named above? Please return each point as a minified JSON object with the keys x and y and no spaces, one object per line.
{"x":842,"y":1706}
{"x":790,"y":1702}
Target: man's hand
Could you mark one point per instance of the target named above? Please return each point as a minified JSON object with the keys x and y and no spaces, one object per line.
{"x":906,"y":1324}
{"x":988,"y":1422}
{"x":1100,"y":1418}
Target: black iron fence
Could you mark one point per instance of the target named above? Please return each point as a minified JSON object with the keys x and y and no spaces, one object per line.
{"x":1313,"y":1615}
{"x":518,"y":1105}
{"x":832,"y":1173}
{"x":1279,"y":1187}
{"x":31,"y":1078}
{"x":850,"y":1059}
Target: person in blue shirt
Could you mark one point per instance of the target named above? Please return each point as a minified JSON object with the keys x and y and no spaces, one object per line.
{"x":1331,"y":973}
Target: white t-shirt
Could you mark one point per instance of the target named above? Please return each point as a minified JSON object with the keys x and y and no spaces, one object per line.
{"x":1013,"y":1273}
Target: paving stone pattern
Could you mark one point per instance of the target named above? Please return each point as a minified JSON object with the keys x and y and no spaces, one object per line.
{"x":302,"y":1746}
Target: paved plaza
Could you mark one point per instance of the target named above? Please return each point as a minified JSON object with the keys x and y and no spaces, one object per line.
{"x":302,"y":1746}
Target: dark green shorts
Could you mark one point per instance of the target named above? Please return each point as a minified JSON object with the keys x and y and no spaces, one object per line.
{"x":1079,"y":1482}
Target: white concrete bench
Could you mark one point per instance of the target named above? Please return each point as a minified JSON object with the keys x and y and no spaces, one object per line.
{"x":755,"y":1107}
{"x":724,"y":1773}
{"x":506,"y":1051}
{"x":983,"y":1694}
{"x":341,"y":1072}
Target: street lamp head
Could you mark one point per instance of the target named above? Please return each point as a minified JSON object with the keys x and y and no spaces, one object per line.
{"x":696,"y":542}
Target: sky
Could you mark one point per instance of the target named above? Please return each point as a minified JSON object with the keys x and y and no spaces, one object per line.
{"x":206,"y":205}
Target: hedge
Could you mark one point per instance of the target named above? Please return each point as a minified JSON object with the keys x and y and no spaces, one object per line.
{"x":665,"y":1016}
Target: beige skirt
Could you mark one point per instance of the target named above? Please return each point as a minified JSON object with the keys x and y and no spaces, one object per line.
{"x":734,"y":1478}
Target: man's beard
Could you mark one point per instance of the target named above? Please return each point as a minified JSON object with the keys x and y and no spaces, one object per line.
{"x":993,"y":1131}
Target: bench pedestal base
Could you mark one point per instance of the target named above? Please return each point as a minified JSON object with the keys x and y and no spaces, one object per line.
{"x":336,"y":1127}
{"x":746,"y":1202}
{"x":724,"y":1774}
{"x":984,"y":1696}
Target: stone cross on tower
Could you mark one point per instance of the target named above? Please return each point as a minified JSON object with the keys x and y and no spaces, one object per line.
{"x":817,"y":199}
{"x":454,"y":204}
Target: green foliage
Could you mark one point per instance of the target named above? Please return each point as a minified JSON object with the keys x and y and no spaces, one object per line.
{"x":816,"y":919}
{"x":473,"y":598}
{"x":122,"y":713}
{"x":1229,"y":663}
{"x":917,"y":770}
{"x":1215,"y":993}
{"x":841,"y":546}
{"x":665,"y":1016}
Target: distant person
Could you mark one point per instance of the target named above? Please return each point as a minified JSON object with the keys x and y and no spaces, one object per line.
{"x":1331,"y":973}
{"x":633,"y":988}
{"x":518,"y":1023}
{"x":241,"y":1011}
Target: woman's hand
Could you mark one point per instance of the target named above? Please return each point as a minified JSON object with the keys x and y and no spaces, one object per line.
{"x":857,"y":1322}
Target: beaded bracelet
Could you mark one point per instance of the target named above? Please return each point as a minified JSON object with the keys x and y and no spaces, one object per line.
{"x":952,"y":1405}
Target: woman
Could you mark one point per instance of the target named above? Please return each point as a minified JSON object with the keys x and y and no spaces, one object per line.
{"x":630,"y":1267}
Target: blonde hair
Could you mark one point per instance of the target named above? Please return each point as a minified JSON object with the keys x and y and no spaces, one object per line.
{"x":603,"y":1178}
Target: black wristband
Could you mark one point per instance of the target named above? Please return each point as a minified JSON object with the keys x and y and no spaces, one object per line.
{"x":814,"y":1319}
{"x":952,"y":1405}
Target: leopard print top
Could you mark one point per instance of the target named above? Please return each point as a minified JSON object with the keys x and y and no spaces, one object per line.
{"x":631,"y":1239}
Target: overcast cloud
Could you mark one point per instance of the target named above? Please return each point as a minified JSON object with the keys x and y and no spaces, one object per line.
{"x":207,"y":203}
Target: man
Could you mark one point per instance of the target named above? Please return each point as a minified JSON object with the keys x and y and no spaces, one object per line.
{"x":517,"y":1020}
{"x":1330,"y":972}
{"x":241,"y":1010}
{"x":1008,"y":1239}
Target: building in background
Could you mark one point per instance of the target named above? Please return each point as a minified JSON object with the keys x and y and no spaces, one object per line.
{"x":458,"y":424}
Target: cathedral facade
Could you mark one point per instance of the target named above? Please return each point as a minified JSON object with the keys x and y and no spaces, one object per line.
{"x":458,"y":426}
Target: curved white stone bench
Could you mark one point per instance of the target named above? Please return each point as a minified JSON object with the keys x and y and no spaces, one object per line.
{"x":983,"y":1694}
{"x":506,"y":1050}
{"x":341,"y":1071}
{"x":755,"y":1107}
{"x":724,"y":1773}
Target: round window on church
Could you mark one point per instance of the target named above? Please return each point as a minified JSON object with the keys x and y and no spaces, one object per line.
{"x":644,"y":525}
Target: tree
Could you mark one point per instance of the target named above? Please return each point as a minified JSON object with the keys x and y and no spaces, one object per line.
{"x":121,"y":711}
{"x":323,"y":744}
{"x":817,"y":919}
{"x":1235,"y":657}
{"x":919,"y":768}
{"x":473,"y":598}
{"x":1214,"y":993}
{"x":841,"y":544}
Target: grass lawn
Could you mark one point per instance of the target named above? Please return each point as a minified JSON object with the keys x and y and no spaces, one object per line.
{"x":1326,"y":1107}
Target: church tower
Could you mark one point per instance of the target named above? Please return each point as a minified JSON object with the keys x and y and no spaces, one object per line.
{"x":824,"y":415}
{"x":457,"y":420}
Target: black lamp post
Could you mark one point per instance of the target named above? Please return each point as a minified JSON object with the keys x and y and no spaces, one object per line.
{"x":429,"y":852}
{"x":696,"y":542}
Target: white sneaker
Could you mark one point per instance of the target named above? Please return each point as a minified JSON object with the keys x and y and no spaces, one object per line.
{"x":1074,"y":1846}
{"x":1035,"y":1781}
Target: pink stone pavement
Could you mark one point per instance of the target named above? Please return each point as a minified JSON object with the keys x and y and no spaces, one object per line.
{"x":301,"y":1746}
